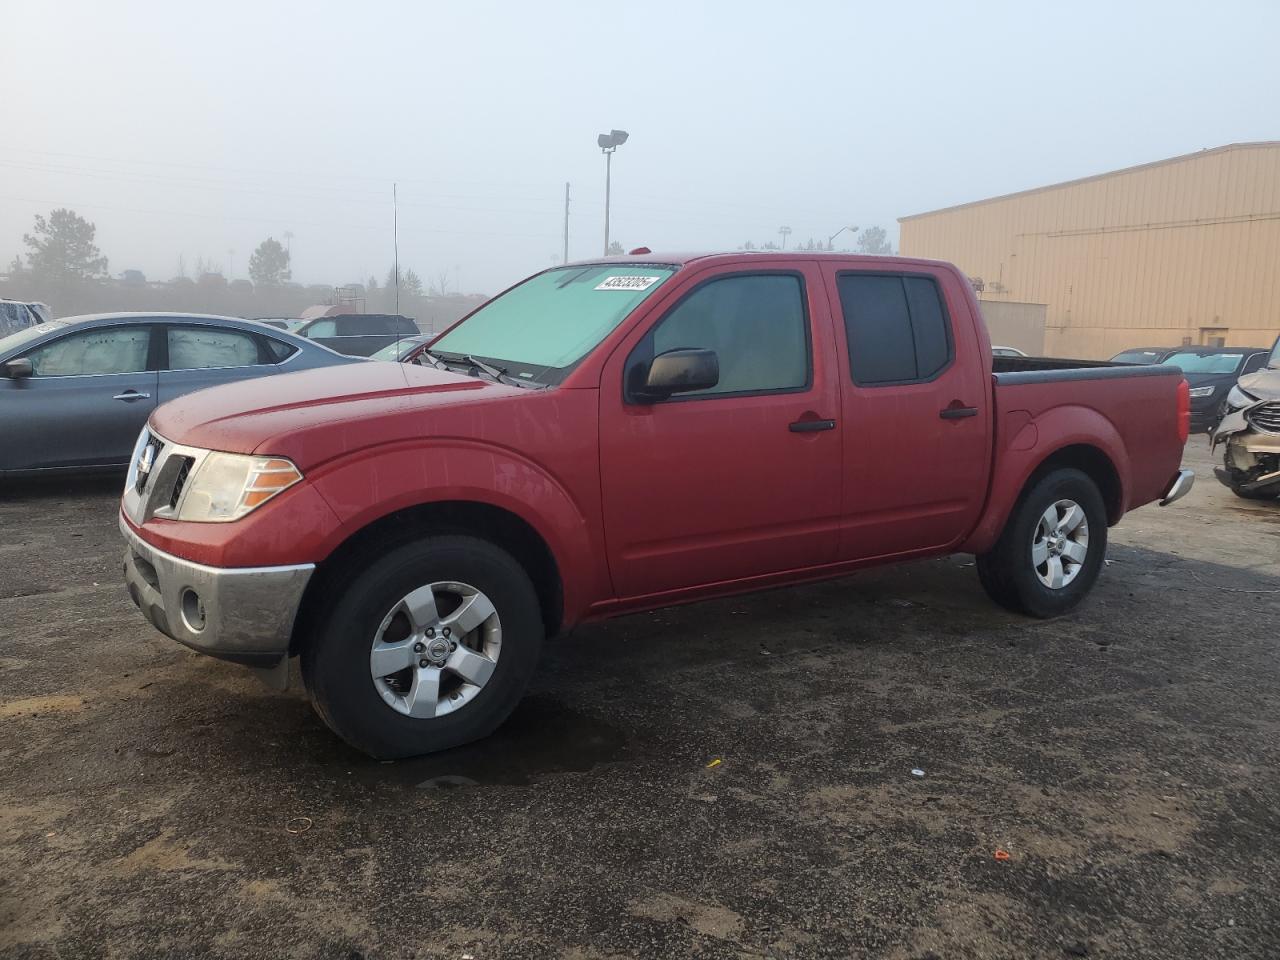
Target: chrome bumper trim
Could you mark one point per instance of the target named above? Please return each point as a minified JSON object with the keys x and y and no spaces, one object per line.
{"x":1180,"y":487}
{"x":248,"y":611}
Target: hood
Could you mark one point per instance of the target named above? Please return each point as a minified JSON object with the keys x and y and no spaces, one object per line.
{"x":313,"y":415}
{"x":1204,"y":379}
{"x":1265,"y":384}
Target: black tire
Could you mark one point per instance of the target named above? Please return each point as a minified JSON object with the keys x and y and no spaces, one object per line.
{"x":1007,"y":571}
{"x":335,"y":663}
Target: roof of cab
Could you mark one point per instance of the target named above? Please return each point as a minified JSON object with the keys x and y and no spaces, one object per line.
{"x":680,"y":259}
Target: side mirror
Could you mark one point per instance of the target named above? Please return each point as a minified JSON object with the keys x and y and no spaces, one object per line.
{"x":679,"y":371}
{"x":17,"y":368}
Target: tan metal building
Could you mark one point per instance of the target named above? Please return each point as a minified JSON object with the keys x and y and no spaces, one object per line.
{"x":1185,"y":250}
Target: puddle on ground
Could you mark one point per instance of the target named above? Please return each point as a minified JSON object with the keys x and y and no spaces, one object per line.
{"x":541,"y":738}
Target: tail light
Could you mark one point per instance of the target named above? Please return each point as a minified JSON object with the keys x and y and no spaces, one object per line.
{"x":1184,"y":411}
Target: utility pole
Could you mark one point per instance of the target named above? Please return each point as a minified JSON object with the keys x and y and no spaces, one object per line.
{"x":566,"y":224}
{"x":784,"y":232}
{"x":395,"y":239}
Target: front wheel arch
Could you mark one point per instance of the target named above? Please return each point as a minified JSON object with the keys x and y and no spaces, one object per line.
{"x":498,"y":526}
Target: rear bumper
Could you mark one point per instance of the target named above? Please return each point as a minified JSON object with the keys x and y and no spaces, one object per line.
{"x":242,"y":614}
{"x":1179,"y":487}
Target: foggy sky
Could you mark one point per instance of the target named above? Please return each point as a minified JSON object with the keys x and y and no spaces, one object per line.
{"x":197,"y":129}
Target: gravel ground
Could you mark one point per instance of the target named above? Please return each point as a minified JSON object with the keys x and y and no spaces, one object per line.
{"x":155,"y":803}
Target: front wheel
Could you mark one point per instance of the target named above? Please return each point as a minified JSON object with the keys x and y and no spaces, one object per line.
{"x":427,"y":648}
{"x":1052,"y":547}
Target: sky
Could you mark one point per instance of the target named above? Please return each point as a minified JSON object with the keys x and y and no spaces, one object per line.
{"x":196,"y":131}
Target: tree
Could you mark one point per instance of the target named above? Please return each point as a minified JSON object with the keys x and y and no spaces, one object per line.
{"x":440,"y":287}
{"x":62,"y":247}
{"x":411,"y":283}
{"x":874,"y":240}
{"x":371,"y":284}
{"x":16,"y":269}
{"x":270,"y":262}
{"x":616,"y":249}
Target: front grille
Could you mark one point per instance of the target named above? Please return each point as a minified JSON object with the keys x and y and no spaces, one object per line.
{"x":150,"y":456}
{"x":180,"y":480}
{"x":1265,"y":416}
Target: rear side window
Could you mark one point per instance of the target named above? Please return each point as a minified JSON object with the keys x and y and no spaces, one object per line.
{"x":897,"y":328}
{"x":201,"y":348}
{"x":280,"y":351}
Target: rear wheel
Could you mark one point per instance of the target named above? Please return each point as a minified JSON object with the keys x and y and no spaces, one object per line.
{"x":427,"y":648}
{"x":1051,"y":549}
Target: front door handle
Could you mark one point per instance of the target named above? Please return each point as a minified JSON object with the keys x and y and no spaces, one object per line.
{"x":130,"y":395}
{"x":957,"y":412}
{"x":812,"y":426}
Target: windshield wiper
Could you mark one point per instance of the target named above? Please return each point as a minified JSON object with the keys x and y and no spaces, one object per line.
{"x":497,"y":373}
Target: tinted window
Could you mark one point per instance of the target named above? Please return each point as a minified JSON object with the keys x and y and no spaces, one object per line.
{"x":896,"y":327}
{"x":97,"y":351}
{"x":1255,"y":362}
{"x":198,"y":348}
{"x":755,"y":324}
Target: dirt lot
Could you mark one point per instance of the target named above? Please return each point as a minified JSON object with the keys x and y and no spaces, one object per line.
{"x":156,"y":803}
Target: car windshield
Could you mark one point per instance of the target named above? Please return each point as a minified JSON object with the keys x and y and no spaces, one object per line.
{"x":1206,"y":362}
{"x":396,"y":350}
{"x":539,"y":330}
{"x":10,"y":346}
{"x":1137,"y":356}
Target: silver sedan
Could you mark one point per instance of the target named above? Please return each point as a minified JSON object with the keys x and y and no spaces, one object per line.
{"x":75,"y":392}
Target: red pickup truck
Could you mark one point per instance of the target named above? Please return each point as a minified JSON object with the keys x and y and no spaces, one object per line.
{"x":618,"y":435}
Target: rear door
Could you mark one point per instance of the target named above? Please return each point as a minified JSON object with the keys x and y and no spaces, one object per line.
{"x":195,"y":356}
{"x":739,"y":480}
{"x":90,"y":394}
{"x":915,"y":402}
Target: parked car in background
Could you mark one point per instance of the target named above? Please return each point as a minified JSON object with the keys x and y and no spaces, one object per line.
{"x":17,"y":315}
{"x":1211,"y":372}
{"x":607,"y":437}
{"x":1251,"y":432}
{"x":400,"y":349}
{"x":74,"y":392}
{"x":1006,"y":352}
{"x":1144,"y":354}
{"x":359,"y":334}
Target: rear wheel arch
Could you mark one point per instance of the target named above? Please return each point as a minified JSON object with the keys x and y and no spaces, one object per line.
{"x":496,"y":525}
{"x":1091,"y":461}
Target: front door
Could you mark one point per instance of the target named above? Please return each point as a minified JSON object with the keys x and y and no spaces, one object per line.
{"x":915,"y":411}
{"x":84,"y":405}
{"x":738,"y":480}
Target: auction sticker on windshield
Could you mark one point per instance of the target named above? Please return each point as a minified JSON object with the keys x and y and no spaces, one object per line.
{"x":627,"y":283}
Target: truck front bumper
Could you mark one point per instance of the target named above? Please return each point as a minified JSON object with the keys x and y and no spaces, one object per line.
{"x":241,"y":614}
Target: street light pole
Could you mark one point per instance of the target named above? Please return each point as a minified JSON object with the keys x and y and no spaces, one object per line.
{"x":608,"y":143}
{"x":832,"y":239}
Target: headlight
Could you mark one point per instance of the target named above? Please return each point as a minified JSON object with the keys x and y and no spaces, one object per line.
{"x":1202,"y":391}
{"x":226,"y":486}
{"x":1237,"y":399}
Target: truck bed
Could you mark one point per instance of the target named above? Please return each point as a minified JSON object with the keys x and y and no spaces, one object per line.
{"x":1015,"y":370}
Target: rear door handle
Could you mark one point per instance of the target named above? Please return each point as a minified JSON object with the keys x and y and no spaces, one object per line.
{"x":957,"y":412}
{"x":131,"y":395}
{"x":812,"y":426}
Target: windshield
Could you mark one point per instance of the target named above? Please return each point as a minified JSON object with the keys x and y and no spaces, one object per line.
{"x":1206,"y":362}
{"x":1137,"y":356}
{"x":538,"y":330}
{"x":396,"y":350}
{"x":1274,"y":362}
{"x":13,"y":342}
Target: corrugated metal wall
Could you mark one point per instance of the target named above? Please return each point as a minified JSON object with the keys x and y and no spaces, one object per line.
{"x":1148,"y":256}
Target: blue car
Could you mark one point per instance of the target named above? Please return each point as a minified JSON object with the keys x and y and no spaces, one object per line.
{"x":75,"y":392}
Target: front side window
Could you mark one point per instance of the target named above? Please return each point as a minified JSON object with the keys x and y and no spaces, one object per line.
{"x":757,"y":326}
{"x":322,"y":328}
{"x":199,"y":348}
{"x":896,"y":326}
{"x":102,"y":350}
{"x":540,"y":329}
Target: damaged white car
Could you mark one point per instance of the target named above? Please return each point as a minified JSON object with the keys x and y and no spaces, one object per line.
{"x":1251,"y":433}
